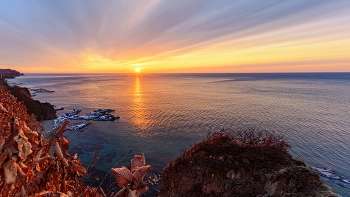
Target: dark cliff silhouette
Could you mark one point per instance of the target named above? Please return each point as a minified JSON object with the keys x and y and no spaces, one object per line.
{"x":42,"y":111}
{"x":9,"y":73}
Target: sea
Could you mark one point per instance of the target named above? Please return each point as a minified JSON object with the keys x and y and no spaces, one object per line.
{"x":164,"y":114}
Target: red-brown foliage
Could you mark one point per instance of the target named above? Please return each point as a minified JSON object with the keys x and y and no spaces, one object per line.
{"x":27,"y":168}
{"x":16,"y":109}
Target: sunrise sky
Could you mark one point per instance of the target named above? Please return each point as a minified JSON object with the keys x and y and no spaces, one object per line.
{"x":175,"y":36}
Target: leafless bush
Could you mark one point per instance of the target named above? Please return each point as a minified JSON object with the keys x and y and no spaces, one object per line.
{"x":248,"y":137}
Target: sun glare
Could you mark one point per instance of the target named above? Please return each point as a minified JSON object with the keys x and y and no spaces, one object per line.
{"x":137,"y":70}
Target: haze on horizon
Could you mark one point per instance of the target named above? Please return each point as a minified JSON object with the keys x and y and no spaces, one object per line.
{"x":175,"y":36}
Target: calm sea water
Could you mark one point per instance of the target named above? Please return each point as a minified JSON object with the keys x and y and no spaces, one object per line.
{"x":162,"y":114}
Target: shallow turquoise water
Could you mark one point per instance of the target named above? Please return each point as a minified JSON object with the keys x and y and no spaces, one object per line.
{"x":162,"y":114}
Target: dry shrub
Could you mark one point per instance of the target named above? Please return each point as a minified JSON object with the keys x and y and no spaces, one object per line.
{"x":239,"y":140}
{"x":27,"y":168}
{"x":16,"y":109}
{"x":248,"y":137}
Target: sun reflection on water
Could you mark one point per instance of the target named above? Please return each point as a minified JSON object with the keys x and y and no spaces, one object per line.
{"x":137,"y":90}
{"x":140,"y":112}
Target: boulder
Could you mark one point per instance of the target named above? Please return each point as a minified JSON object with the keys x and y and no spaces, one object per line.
{"x":224,"y":165}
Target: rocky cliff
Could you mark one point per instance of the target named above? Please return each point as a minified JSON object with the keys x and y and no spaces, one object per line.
{"x":42,"y":111}
{"x":240,"y":163}
{"x":9,"y":73}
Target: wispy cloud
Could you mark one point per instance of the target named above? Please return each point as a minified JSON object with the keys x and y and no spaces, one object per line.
{"x":161,"y":35}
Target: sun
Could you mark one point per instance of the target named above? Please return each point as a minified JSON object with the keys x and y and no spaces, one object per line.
{"x":137,"y":70}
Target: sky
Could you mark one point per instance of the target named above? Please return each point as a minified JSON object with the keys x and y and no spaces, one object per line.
{"x":175,"y":36}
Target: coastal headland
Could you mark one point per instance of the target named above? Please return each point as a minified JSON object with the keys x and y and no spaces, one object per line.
{"x":9,"y":73}
{"x":42,"y":111}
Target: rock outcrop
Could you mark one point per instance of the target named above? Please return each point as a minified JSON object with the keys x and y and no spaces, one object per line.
{"x":242,"y":163}
{"x":42,"y":111}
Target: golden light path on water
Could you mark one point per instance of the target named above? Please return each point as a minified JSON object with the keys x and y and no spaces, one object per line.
{"x":138,"y":106}
{"x":140,"y":112}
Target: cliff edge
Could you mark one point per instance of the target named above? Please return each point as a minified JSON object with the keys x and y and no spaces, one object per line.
{"x":240,"y":163}
{"x":42,"y":111}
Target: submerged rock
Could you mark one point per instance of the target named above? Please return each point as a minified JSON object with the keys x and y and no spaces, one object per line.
{"x":97,"y":115}
{"x":72,"y":113}
{"x":248,"y":164}
{"x":34,"y":91}
{"x":78,"y":126}
{"x":330,"y":175}
{"x":100,"y":115}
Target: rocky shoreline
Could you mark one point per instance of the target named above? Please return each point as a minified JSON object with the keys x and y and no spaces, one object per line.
{"x":96,"y":115}
{"x":42,"y":111}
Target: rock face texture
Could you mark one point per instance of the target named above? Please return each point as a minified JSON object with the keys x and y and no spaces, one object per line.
{"x":226,"y":165}
{"x":42,"y":111}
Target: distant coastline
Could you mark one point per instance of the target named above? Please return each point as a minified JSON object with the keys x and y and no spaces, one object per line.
{"x":9,"y":73}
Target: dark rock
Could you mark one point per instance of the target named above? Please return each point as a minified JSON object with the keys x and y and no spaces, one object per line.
{"x":97,"y":115}
{"x":76,"y":149}
{"x":42,"y":111}
{"x":26,"y":90}
{"x":296,"y":180}
{"x":109,"y":157}
{"x":9,"y":73}
{"x":91,"y":147}
{"x":78,"y":126}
